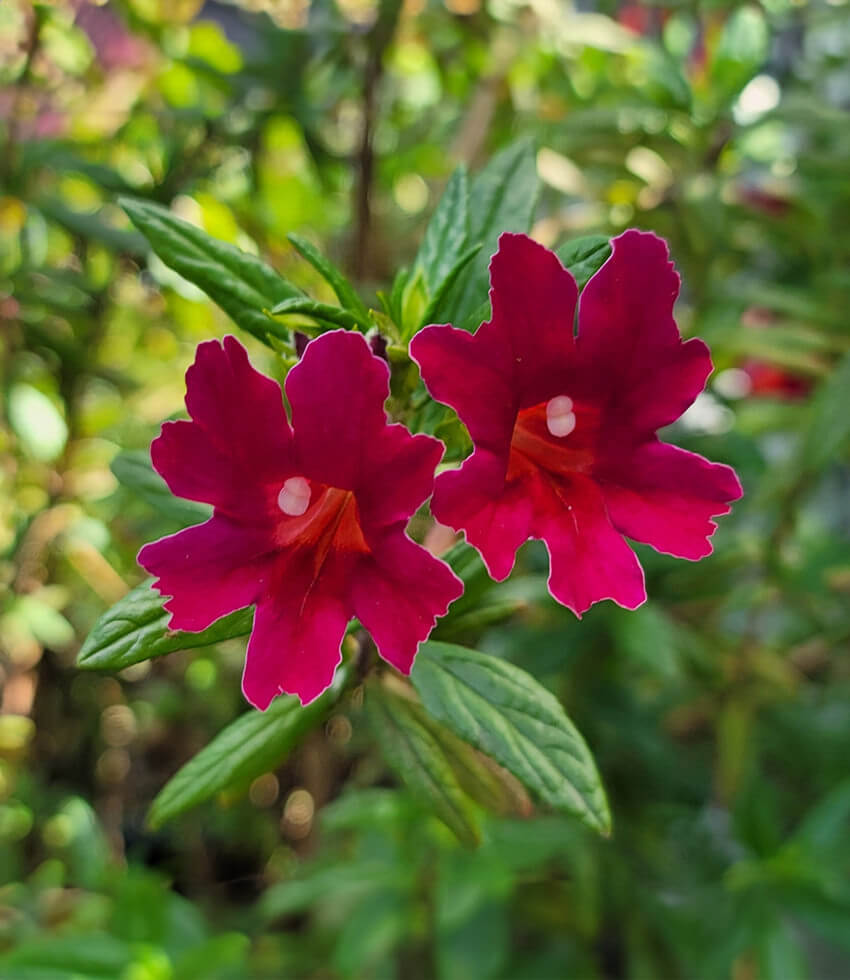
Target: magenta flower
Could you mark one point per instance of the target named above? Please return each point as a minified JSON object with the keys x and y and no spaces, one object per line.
{"x":309,"y":520}
{"x":564,"y":426}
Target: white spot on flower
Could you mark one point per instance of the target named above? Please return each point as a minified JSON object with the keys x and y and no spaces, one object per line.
{"x":294,"y":497}
{"x":560,"y":417}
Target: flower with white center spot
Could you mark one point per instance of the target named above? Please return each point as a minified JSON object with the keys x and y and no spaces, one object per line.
{"x":294,"y":497}
{"x":560,"y":417}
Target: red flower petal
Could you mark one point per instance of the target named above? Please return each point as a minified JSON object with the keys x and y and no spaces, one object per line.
{"x":506,"y":364}
{"x":398,"y":595}
{"x":238,"y":428}
{"x":294,"y":646}
{"x":473,"y":374}
{"x":337,"y":393}
{"x":589,"y":560}
{"x":629,"y":347}
{"x":534,"y":300}
{"x":209,"y":570}
{"x":412,"y":461}
{"x":496,"y":518}
{"x":666,"y":497}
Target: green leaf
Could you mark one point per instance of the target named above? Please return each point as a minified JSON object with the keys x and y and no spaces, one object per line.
{"x":418,"y":759}
{"x":345,"y":292}
{"x":502,"y":198}
{"x":350,"y":881}
{"x":584,"y":256}
{"x":225,"y":954}
{"x":742,"y":49}
{"x":136,"y":629}
{"x":256,"y":742}
{"x":392,"y":303}
{"x":779,"y":954}
{"x":446,"y":234}
{"x":478,"y":776}
{"x":242,"y":285}
{"x":505,"y":713}
{"x":828,"y":431}
{"x":329,"y":317}
{"x":444,"y":287}
{"x":83,"y":956}
{"x":133,"y":469}
{"x":823,"y":831}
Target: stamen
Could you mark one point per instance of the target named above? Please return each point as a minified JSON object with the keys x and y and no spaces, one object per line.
{"x":560,"y":417}
{"x":294,"y":497}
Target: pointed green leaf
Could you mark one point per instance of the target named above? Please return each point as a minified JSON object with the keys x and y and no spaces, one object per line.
{"x":392,"y":302}
{"x":327,"y":316}
{"x":242,"y":285}
{"x":584,"y":256}
{"x":133,"y":469}
{"x":345,"y":292}
{"x":502,"y":198}
{"x":443,"y":288}
{"x":505,"y":713}
{"x":256,"y":742}
{"x":446,"y":235}
{"x":136,"y":629}
{"x":419,"y":760}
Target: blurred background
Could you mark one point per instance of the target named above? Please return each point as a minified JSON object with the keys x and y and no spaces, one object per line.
{"x":719,"y":713}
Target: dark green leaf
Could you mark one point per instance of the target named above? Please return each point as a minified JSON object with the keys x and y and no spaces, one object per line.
{"x":419,"y":760}
{"x":502,"y":198}
{"x":446,"y":234}
{"x":584,"y":256}
{"x":345,"y":292}
{"x":505,"y":713}
{"x":823,"y":831}
{"x":443,"y":288}
{"x":136,"y":629}
{"x":828,"y":431}
{"x":255,"y":743}
{"x":242,"y":285}
{"x":133,"y":469}
{"x":329,"y":317}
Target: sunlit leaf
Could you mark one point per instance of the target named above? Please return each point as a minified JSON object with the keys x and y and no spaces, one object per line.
{"x":242,"y":285}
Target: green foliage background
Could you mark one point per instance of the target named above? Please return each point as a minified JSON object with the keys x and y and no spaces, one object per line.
{"x":718,"y":714}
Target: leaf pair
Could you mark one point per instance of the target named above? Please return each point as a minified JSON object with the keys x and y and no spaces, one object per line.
{"x":471,"y":700}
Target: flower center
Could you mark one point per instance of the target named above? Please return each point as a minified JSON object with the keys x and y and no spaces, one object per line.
{"x":320,"y":519}
{"x":294,"y":497}
{"x":560,"y":417}
{"x":559,"y":435}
